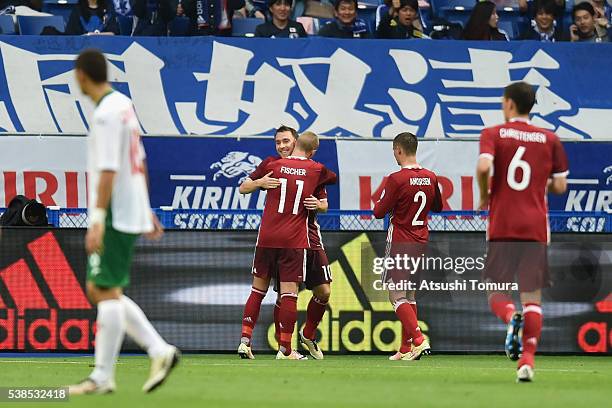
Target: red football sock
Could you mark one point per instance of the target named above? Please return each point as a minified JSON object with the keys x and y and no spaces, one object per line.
{"x":251,"y":312}
{"x":409,"y":321}
{"x":276,"y":321}
{"x":406,"y":339}
{"x":287,"y":317}
{"x":314,"y":315}
{"x":532,"y":328}
{"x":502,"y":306}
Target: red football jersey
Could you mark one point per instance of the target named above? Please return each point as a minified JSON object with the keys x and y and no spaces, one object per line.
{"x":314,"y":230}
{"x":259,"y":171}
{"x":284,"y":223}
{"x":524,"y":158}
{"x":409,"y":194}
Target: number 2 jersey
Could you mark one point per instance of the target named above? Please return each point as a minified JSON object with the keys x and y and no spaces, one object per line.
{"x":285,"y":220}
{"x":524,"y":158}
{"x":409,"y":195}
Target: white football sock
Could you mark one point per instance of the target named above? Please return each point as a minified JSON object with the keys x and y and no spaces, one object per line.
{"x":142,"y":331}
{"x":109,"y":336}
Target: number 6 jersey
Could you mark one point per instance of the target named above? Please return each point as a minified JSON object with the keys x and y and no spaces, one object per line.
{"x":284,"y":223}
{"x":524,"y":158}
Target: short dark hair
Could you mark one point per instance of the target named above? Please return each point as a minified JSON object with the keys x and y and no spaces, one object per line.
{"x":586,"y":6}
{"x":546,"y":6}
{"x":272,"y":2}
{"x":523,"y":96}
{"x":407,"y":141}
{"x":338,"y":2}
{"x":283,"y":128}
{"x":93,"y":64}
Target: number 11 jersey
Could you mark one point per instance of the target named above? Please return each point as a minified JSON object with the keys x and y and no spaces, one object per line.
{"x":524,"y":158}
{"x":284,"y":223}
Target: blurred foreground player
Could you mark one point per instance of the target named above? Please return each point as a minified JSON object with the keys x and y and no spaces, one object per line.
{"x":525,"y":161}
{"x":119,"y":211}
{"x":283,"y":237}
{"x":318,"y":271}
{"x":409,"y":195}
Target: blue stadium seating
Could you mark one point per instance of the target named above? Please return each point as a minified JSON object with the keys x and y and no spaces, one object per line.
{"x":457,"y":16}
{"x":59,"y":7}
{"x":245,"y":27}
{"x":7,"y":25}
{"x":33,"y":25}
{"x":510,"y":28}
{"x":368,"y":4}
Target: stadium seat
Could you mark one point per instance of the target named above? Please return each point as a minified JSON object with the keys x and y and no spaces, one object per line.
{"x":179,"y":27}
{"x":368,"y":4}
{"x":59,"y":7}
{"x":30,"y":25}
{"x":245,"y":27}
{"x":510,"y":28}
{"x":369,"y":16}
{"x":126,"y":25}
{"x":7,"y":25}
{"x":458,"y":16}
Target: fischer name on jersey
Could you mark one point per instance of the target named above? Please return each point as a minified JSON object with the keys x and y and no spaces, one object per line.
{"x":114,"y":144}
{"x":524,"y":158}
{"x":285,"y":221}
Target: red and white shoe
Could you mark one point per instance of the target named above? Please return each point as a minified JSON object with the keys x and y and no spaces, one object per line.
{"x":294,"y":355}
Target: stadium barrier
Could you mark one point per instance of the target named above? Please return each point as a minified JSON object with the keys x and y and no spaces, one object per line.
{"x":193,"y":284}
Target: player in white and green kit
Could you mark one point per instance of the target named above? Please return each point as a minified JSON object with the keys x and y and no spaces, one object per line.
{"x":119,"y":211}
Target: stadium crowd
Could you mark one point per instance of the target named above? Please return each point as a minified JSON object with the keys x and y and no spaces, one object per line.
{"x":499,"y":20}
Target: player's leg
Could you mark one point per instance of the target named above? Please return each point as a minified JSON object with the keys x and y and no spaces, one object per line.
{"x":107,"y":274}
{"x":251,"y":315}
{"x":407,"y":316}
{"x":406,"y":340}
{"x":318,"y":279}
{"x":532,"y":328}
{"x":291,"y":271}
{"x":164,"y":357}
{"x":110,"y":331}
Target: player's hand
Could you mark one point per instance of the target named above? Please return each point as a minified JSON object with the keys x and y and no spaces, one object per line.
{"x":311,"y":203}
{"x":94,"y":238}
{"x":158,"y":229}
{"x":484,"y":203}
{"x":574,"y":33}
{"x":267,"y":182}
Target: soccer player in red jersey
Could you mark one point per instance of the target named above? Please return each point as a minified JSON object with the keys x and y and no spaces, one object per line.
{"x":283,"y":236}
{"x":409,"y":195}
{"x":526,"y":162}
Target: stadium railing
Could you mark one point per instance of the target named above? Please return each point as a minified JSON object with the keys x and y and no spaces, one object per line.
{"x":338,"y":220}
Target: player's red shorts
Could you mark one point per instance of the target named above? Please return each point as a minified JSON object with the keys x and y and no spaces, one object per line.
{"x":398,"y":273}
{"x":318,"y":270}
{"x":289,"y":264}
{"x":523,"y":262}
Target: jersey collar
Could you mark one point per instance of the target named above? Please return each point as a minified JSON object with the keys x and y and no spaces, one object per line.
{"x":104,"y":96}
{"x":527,"y":121}
{"x":296,"y":157}
{"x":412,"y":166}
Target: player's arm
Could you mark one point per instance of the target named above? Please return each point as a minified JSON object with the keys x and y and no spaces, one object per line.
{"x":437,"y":203}
{"x":484,"y":166}
{"x":557,"y":184}
{"x":483,"y":171}
{"x":158,"y":228}
{"x":108,"y":152}
{"x":265,"y":183}
{"x":387,"y":199}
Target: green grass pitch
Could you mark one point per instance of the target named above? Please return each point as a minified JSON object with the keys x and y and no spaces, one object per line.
{"x":338,"y":381}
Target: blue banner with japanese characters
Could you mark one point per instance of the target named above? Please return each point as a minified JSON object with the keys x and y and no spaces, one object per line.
{"x":368,"y":88}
